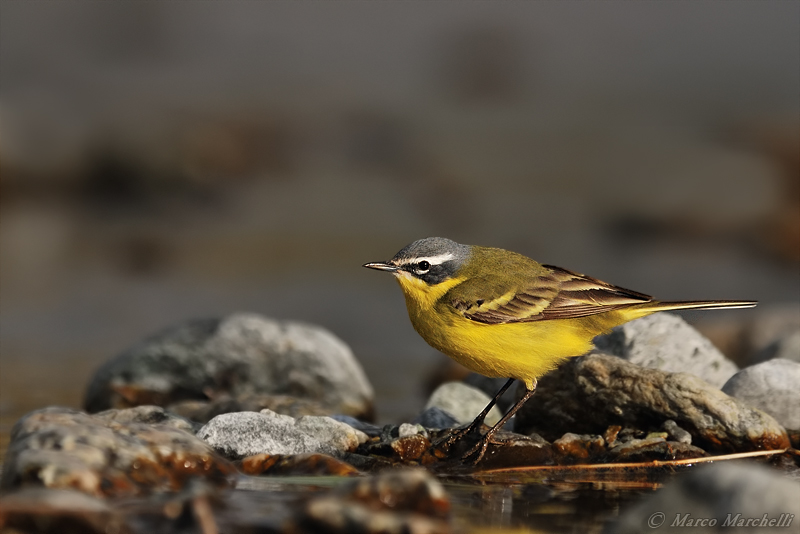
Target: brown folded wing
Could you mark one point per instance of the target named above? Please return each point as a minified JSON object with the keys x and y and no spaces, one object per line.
{"x":555,"y":294}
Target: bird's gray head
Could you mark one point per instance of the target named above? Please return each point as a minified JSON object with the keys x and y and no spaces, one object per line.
{"x":432,"y":260}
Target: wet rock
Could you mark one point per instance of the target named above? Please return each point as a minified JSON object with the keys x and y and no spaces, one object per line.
{"x":235,"y":355}
{"x":727,"y":493}
{"x":400,"y":450}
{"x":515,"y":450}
{"x":573,"y":448}
{"x":676,"y":433}
{"x":665,"y":341}
{"x":237,"y":435}
{"x":204,"y":411}
{"x":435,"y":417}
{"x":589,"y":394}
{"x":402,"y":501}
{"x":368,"y":462}
{"x":463,"y":402}
{"x":772,"y":386}
{"x":296,"y":465}
{"x":58,"y":511}
{"x":106,"y":456}
{"x":412,"y":449}
{"x":150,"y":415}
{"x":649,"y":449}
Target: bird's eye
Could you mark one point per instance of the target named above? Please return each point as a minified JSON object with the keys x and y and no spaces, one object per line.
{"x":423,"y":266}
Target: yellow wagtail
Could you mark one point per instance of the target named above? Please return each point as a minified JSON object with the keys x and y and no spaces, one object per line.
{"x":501,"y":314}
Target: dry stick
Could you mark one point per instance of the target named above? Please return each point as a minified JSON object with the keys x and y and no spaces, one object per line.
{"x":654,"y":463}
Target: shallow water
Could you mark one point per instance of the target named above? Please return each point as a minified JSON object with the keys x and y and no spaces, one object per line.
{"x":478,"y":505}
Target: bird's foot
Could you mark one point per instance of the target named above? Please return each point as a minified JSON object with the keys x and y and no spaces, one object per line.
{"x":443,"y":445}
{"x":478,"y":451}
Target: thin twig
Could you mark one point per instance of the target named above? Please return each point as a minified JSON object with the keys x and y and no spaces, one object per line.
{"x":654,"y":463}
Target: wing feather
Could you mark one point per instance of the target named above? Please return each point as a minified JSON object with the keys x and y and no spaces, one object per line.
{"x":556,"y":294}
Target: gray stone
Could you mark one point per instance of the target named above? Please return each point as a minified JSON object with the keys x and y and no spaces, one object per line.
{"x":367,"y":428}
{"x":150,"y":415}
{"x":112,"y":455}
{"x":242,"y":434}
{"x":239,"y":354}
{"x":491,"y":386}
{"x":665,"y":341}
{"x":676,"y":433}
{"x":772,"y":386}
{"x":328,"y":430}
{"x":786,"y":347}
{"x":435,"y":417}
{"x":462,"y":402}
{"x":587,"y":395}
{"x":407,"y":429}
{"x":204,"y":411}
{"x":726,"y":492}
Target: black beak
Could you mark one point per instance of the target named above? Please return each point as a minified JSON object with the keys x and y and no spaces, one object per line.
{"x":381,"y":266}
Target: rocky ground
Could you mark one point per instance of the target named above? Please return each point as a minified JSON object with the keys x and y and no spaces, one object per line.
{"x":178,"y":421}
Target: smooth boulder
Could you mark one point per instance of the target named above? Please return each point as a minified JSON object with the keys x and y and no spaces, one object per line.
{"x":242,"y":354}
{"x":665,"y":341}
{"x":772,"y":386}
{"x":589,"y":394}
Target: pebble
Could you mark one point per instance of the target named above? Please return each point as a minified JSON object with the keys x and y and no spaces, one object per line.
{"x":491,"y":386}
{"x":676,"y":433}
{"x":649,"y":449}
{"x":242,"y":434}
{"x":238,"y":354}
{"x":772,"y":386}
{"x":463,"y":402}
{"x":407,"y":429}
{"x":665,"y":341}
{"x":574,"y":448}
{"x":435,"y":418}
{"x":617,"y":392}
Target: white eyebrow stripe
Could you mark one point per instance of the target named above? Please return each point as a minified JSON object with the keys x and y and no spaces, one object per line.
{"x":437,"y":260}
{"x":433,"y":260}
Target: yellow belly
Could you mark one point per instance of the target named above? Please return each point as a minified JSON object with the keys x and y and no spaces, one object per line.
{"x":525,"y":350}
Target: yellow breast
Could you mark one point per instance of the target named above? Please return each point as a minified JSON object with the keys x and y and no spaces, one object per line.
{"x":524,"y":351}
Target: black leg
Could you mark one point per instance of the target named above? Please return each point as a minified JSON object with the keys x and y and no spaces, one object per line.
{"x":480,"y":448}
{"x":455,"y":435}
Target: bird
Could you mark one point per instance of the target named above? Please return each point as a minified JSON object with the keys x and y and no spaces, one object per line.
{"x":502,"y":314}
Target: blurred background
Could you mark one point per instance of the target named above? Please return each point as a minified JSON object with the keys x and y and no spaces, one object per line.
{"x":162,"y":161}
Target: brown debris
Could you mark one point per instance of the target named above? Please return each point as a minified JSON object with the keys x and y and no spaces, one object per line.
{"x":296,"y":465}
{"x":399,"y":501}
